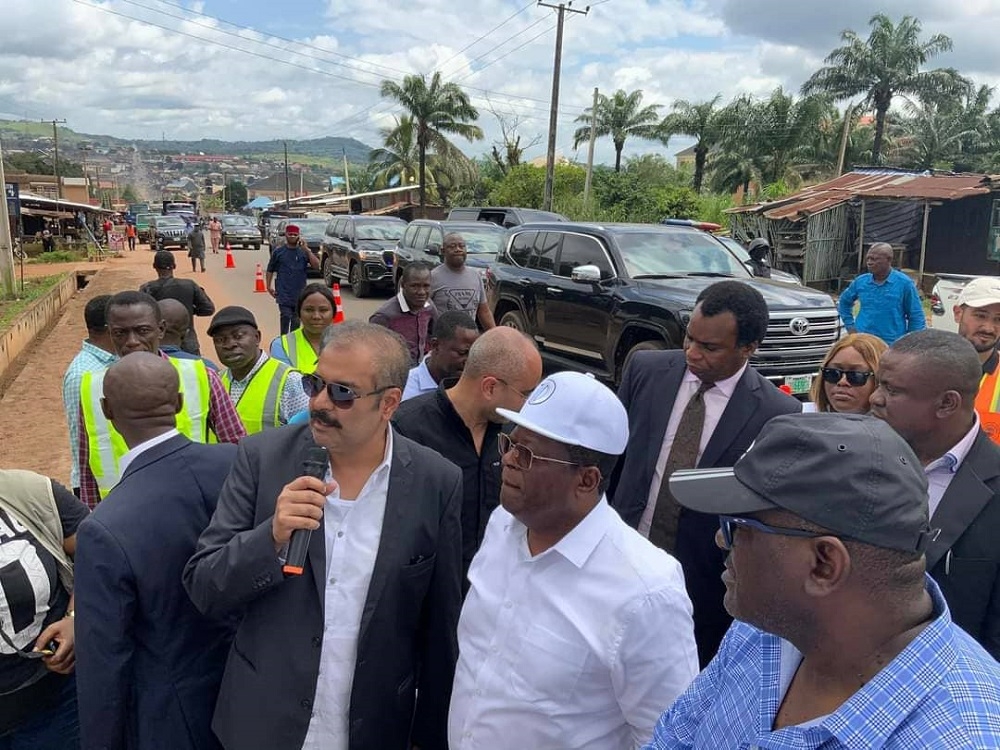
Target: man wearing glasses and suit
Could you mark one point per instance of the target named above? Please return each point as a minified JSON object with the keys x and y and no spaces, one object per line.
{"x":358,"y":650}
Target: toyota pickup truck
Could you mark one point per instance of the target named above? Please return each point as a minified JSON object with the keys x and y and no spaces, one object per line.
{"x":593,"y":294}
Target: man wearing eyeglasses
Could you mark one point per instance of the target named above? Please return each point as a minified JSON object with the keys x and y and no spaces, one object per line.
{"x":927,"y":386}
{"x":576,"y":631}
{"x":462,"y":423}
{"x":841,"y":639}
{"x":354,"y":650}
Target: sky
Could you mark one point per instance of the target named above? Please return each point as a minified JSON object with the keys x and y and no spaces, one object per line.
{"x":260,"y":69}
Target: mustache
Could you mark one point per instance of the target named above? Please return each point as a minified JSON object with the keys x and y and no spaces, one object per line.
{"x":324,"y":417}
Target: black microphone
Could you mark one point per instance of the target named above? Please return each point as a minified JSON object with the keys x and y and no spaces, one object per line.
{"x":314,"y":466}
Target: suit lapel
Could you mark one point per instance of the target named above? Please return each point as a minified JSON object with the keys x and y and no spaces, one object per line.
{"x":740,"y":408}
{"x":396,"y":524}
{"x":964,"y":499}
{"x":659,"y":417}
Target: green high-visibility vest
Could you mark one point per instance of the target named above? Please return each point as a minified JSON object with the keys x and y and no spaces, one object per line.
{"x":106,"y":444}
{"x":299,"y":351}
{"x":259,"y":406}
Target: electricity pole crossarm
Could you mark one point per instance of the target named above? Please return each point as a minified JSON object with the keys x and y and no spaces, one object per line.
{"x":550,"y":159}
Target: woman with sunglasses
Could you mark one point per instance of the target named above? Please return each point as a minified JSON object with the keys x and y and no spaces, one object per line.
{"x":38,"y":522}
{"x":300,"y":348}
{"x":846,"y":378}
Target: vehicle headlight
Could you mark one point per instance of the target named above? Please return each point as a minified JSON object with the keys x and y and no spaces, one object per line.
{"x":370,"y":254}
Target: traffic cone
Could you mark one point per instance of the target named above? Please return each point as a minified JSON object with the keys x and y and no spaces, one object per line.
{"x":230,"y":263}
{"x":338,"y":317}
{"x":259,"y":287}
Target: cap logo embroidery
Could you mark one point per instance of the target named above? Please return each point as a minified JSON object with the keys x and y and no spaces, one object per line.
{"x":542,"y":393}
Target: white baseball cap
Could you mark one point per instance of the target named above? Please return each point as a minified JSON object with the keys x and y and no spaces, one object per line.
{"x":981,"y":292}
{"x":575,"y":409}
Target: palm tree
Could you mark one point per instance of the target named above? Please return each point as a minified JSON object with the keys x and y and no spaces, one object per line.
{"x":437,"y":109}
{"x":399,"y":157}
{"x":704,"y":121}
{"x":620,"y":116}
{"x":936,"y":135}
{"x":885,"y":65}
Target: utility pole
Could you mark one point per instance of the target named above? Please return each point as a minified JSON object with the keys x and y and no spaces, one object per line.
{"x":550,"y":159}
{"x":6,"y":243}
{"x":590,"y":150}
{"x":287,"y":197}
{"x":55,"y":158}
{"x":347,"y":174}
{"x":848,"y":115}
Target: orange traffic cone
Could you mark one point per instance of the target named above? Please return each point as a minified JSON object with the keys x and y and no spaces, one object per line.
{"x":259,"y":281}
{"x":338,"y":316}
{"x":230,"y":263}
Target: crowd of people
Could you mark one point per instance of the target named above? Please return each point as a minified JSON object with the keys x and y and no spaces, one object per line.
{"x":401,"y":534}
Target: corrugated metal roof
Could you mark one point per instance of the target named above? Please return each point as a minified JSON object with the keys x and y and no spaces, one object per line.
{"x":875,"y":184}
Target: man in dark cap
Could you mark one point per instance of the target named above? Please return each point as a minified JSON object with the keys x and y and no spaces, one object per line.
{"x":149,"y":663}
{"x":267,"y":393}
{"x":289,"y":263}
{"x":185,"y":291}
{"x":841,"y":639}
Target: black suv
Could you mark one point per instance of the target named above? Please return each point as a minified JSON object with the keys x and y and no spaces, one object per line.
{"x":168,"y":232}
{"x":359,"y":249}
{"x":424,"y":237}
{"x":591,"y":295}
{"x":503,"y":216}
{"x":239,"y":230}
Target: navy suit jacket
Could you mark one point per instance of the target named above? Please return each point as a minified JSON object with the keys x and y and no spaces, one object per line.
{"x":148,"y":663}
{"x":648,"y":389}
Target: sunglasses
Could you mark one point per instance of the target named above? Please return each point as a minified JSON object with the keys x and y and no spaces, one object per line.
{"x":855,"y":378}
{"x":523,"y":456}
{"x":341,"y":395}
{"x":729,"y":524}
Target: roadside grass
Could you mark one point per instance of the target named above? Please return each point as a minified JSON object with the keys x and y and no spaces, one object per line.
{"x":59,"y":256}
{"x":34,"y":289}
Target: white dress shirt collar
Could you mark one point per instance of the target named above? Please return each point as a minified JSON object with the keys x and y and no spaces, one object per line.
{"x":133,"y":454}
{"x":954,"y":457}
{"x":577,"y":545}
{"x":726,"y":387}
{"x":404,"y":306}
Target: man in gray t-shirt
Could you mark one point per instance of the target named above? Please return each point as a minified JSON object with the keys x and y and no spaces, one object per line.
{"x":455,"y":286}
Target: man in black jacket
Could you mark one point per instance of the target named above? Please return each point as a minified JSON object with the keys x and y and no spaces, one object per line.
{"x":185,"y":291}
{"x":928,"y":381}
{"x":462,"y":424}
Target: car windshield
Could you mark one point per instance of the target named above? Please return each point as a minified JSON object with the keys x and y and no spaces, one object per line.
{"x":143,"y":217}
{"x":738,"y":250}
{"x":668,"y":253}
{"x":311,"y":227}
{"x":237,"y":221}
{"x":389,"y":231}
{"x":478,"y":241}
{"x":170,"y":221}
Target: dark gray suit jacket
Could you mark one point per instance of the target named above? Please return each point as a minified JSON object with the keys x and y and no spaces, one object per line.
{"x":149,"y":664}
{"x":965,"y":558}
{"x":407,"y":637}
{"x":648,"y":389}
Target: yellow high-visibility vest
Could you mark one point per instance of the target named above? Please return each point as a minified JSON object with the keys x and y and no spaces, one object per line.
{"x":299,"y":351}
{"x":259,"y":406}
{"x":106,"y":444}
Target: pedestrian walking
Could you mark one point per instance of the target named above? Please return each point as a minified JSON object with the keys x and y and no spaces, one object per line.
{"x":411,"y":313}
{"x":186,"y":291}
{"x":196,"y":245}
{"x":286,"y":276}
{"x":890,"y":302}
{"x":130,"y":235}
{"x":456,"y":286}
{"x":215,"y":234}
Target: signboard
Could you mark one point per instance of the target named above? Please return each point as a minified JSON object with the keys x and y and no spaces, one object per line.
{"x":13,"y":192}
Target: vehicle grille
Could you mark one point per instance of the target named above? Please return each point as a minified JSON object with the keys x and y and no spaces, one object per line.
{"x":785,"y":351}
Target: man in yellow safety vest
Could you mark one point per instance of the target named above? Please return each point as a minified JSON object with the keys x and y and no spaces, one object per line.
{"x":978,"y":316}
{"x":267,"y":393}
{"x":135,"y":323}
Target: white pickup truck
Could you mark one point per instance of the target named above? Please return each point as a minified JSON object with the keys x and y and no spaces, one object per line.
{"x":945,"y":297}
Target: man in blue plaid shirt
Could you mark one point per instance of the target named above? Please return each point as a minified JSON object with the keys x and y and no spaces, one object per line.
{"x":841,"y":640}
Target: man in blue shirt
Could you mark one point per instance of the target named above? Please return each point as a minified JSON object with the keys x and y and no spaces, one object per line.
{"x":841,"y":639}
{"x":289,"y":263}
{"x":890,"y":302}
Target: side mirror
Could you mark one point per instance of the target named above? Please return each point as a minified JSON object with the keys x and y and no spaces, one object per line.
{"x":586,"y":274}
{"x":433,"y":249}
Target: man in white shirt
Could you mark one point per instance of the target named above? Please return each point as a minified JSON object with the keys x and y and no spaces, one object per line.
{"x":576,"y":631}
{"x":928,"y":381}
{"x":453,"y":336}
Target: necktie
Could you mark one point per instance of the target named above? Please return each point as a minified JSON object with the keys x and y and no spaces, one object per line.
{"x":683,"y":455}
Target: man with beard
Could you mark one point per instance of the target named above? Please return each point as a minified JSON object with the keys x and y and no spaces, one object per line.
{"x":841,"y":640}
{"x":462,"y":424}
{"x":455,"y":286}
{"x":266,"y":392}
{"x":354,"y":646}
{"x":411,"y":313}
{"x":927,"y":383}
{"x":978,"y":316}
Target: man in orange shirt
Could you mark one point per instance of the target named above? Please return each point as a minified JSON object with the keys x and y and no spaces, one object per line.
{"x":130,"y":236}
{"x":978,"y":316}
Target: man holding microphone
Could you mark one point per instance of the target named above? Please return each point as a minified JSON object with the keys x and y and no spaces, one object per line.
{"x":357,"y":650}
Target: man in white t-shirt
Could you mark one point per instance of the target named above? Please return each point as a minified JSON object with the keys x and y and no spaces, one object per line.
{"x":455,"y":286}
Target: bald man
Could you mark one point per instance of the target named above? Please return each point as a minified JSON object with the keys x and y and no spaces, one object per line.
{"x":463,"y":425}
{"x":177,"y":320}
{"x":148,"y":663}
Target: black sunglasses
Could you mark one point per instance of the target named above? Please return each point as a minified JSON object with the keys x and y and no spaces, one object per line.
{"x":341,"y":395}
{"x":855,"y":378}
{"x":729,"y":524}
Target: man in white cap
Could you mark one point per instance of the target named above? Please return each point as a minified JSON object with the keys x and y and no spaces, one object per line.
{"x":576,"y":630}
{"x":978,"y":316}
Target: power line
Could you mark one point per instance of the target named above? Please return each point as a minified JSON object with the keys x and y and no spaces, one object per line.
{"x":471,"y":44}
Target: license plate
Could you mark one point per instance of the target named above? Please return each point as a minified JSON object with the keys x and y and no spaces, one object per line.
{"x":799,"y":383}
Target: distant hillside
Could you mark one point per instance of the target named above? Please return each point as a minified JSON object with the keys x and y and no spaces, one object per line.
{"x":15,"y":133}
